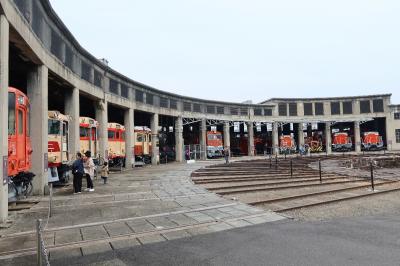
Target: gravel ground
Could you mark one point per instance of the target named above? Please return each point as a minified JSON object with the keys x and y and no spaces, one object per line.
{"x":385,"y":204}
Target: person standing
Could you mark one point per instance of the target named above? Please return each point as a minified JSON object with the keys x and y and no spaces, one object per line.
{"x":89,"y":171}
{"x":78,"y":171}
{"x":226,"y":155}
{"x":105,"y":172}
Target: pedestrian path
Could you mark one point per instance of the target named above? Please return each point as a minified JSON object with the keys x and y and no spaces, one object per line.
{"x":137,"y":207}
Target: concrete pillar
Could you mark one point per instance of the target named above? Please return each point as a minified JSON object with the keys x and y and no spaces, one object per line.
{"x":155,"y":151}
{"x":37,"y":88}
{"x":101,"y":108}
{"x":203,"y":139}
{"x":328,"y":138}
{"x":275,"y":138}
{"x":129,"y":137}
{"x":227,"y":135}
{"x":179,"y":139}
{"x":300,"y":133}
{"x":72,"y":109}
{"x":4,"y":48}
{"x":250,"y":139}
{"x":357,"y":136}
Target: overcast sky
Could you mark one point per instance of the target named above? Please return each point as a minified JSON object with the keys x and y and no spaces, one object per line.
{"x":236,"y":50}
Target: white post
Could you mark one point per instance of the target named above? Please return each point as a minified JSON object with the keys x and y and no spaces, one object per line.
{"x":4,"y":49}
{"x":179,"y":139}
{"x":38,"y":95}
{"x":129,"y":135}
{"x":102,"y":118}
{"x":155,"y":154}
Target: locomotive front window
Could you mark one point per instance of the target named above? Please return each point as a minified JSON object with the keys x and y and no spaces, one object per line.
{"x":11,"y":113}
{"x":111,"y":134}
{"x":20,"y":122}
{"x":53,"y":127}
{"x":83,"y":132}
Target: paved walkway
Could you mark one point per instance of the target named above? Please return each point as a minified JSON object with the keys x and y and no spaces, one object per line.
{"x":137,"y":207}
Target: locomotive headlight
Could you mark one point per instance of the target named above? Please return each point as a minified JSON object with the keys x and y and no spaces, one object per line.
{"x":21,"y":100}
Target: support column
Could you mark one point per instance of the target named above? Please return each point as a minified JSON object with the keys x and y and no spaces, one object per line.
{"x":250,"y":139}
{"x":4,"y":50}
{"x":328,"y":138}
{"x":129,"y":138}
{"x":275,"y":138}
{"x":102,"y":134}
{"x":179,"y":139}
{"x":72,"y":109}
{"x":203,"y":139}
{"x":357,"y":136}
{"x":37,"y":88}
{"x":300,"y":133}
{"x":227,"y":136}
{"x":155,"y":151}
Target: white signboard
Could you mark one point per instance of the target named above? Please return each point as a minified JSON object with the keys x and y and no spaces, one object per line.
{"x":213,"y":128}
{"x":314,"y":126}
{"x":305,"y":126}
{"x":171,"y":129}
{"x":258,"y":126}
{"x":236,"y":127}
{"x":291,"y":127}
{"x":245,"y":127}
{"x":269,"y":127}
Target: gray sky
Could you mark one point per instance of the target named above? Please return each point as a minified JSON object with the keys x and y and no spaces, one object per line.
{"x":236,"y":50}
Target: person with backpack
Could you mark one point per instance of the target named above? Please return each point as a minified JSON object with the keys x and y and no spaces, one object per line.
{"x":78,"y":172}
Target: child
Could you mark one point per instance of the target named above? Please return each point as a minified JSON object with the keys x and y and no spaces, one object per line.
{"x":104,"y":172}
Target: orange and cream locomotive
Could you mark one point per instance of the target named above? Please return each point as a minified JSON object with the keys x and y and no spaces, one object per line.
{"x":116,"y":144}
{"x":58,"y":146}
{"x":19,"y":160}
{"x":142,"y":150}
{"x":88,"y":140}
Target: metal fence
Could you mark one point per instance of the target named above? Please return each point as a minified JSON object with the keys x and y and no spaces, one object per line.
{"x":193,"y":152}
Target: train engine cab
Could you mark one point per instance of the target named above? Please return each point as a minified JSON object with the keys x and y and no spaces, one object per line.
{"x":88,"y":136}
{"x":341,"y":142}
{"x":287,"y":144}
{"x":215,"y":146}
{"x":142,"y":144}
{"x":19,"y":146}
{"x":372,"y":141}
{"x":58,"y":152}
{"x":116,"y":144}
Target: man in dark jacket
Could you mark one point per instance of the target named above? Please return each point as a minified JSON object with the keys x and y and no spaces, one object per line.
{"x":78,"y":172}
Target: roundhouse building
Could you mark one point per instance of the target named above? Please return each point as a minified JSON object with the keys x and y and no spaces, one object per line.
{"x":40,"y":57}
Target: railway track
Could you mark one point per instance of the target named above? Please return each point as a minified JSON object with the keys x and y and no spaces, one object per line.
{"x":280,"y":189}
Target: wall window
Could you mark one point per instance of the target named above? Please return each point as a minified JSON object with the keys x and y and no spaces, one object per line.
{"x":220,"y":110}
{"x":308,"y":109}
{"x":335,"y":108}
{"x":347,"y":108}
{"x":267,"y":112}
{"x":149,"y":98}
{"x":319,"y":108}
{"x":397,"y":135}
{"x":377,"y":104}
{"x":293,"y":109}
{"x":282,"y":109}
{"x":244,"y":111}
{"x":234,"y":111}
{"x":210,"y":109}
{"x":196,"y":108}
{"x":163,"y":102}
{"x":397,"y":116}
{"x":139,"y":96}
{"x":258,"y":111}
{"x":173,"y":104}
{"x":187,"y":106}
{"x":365,"y":107}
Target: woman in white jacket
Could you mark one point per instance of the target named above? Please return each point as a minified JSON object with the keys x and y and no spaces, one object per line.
{"x":89,"y":171}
